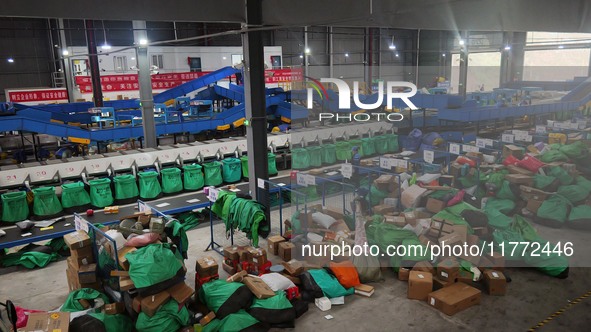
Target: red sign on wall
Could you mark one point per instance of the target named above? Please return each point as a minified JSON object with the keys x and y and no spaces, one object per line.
{"x":37,"y":95}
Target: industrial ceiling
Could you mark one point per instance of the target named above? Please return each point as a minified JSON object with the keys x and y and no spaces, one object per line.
{"x":474,"y":15}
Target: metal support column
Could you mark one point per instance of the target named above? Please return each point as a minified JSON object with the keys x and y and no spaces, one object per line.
{"x":254,"y":100}
{"x":95,"y":72}
{"x":145,"y":82}
{"x":305,"y":49}
{"x":463,"y":64}
{"x":331,"y":53}
{"x":67,"y":65}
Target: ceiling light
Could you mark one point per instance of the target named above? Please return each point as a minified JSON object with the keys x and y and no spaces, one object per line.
{"x":392,"y":47}
{"x":507,"y":47}
{"x":132,"y":58}
{"x":106,"y":46}
{"x":11,"y":60}
{"x":462,"y":42}
{"x":397,"y":55}
{"x":65,"y":52}
{"x":346,"y":55}
{"x":143,"y":41}
{"x":224,"y":58}
{"x":301,"y":56}
{"x":307,"y":50}
{"x":443,"y":55}
{"x":560,"y":46}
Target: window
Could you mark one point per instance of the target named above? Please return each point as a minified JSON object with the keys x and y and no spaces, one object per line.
{"x":195,"y":64}
{"x":157,"y":61}
{"x":120,"y":64}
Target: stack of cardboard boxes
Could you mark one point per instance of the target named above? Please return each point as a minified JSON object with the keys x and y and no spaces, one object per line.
{"x":246,"y":258}
{"x":81,"y":270}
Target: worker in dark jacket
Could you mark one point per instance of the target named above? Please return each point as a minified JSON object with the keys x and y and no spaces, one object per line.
{"x":356,"y":162}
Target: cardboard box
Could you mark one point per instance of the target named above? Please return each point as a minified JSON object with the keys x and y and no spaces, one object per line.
{"x":420,"y":284}
{"x":181,"y":292}
{"x":485,"y":264}
{"x":77,"y":239}
{"x":438,"y":283}
{"x":48,"y":322}
{"x":454,"y":298}
{"x":293,"y":279}
{"x":448,"y":269}
{"x":333,"y":213}
{"x":455,"y":170}
{"x":231,"y":253}
{"x":151,"y":304}
{"x":473,"y":240}
{"x":533,"y":205}
{"x":136,"y":305}
{"x":520,"y":179}
{"x":206,"y":267}
{"x":77,"y":261}
{"x":495,"y":282}
{"x":87,"y":274}
{"x":528,"y":193}
{"x":424,"y":266}
{"x":316,"y":171}
{"x":230,"y":269}
{"x":293,"y":267}
{"x":340,"y":226}
{"x":258,"y":287}
{"x":512,"y":150}
{"x":397,"y":221}
{"x":285,"y":250}
{"x":122,"y":260}
{"x":435,"y":205}
{"x":207,"y":318}
{"x":383,"y":182}
{"x":114,"y":308}
{"x":411,"y":196}
{"x":273,"y":243}
{"x":403,"y":274}
{"x":85,"y":252}
{"x":452,"y":239}
{"x":125,"y":284}
{"x":257,"y":256}
{"x":465,"y":277}
{"x":519,"y":171}
{"x":446,"y":180}
{"x":383,"y":209}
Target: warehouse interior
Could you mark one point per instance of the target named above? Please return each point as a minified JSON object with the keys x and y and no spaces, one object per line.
{"x":268,"y":166}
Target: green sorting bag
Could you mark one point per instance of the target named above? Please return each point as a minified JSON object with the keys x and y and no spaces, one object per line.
{"x":300,"y":158}
{"x":574,"y":193}
{"x":580,"y":217}
{"x":368,"y":146}
{"x":171,"y":180}
{"x":14,"y":206}
{"x":29,"y":259}
{"x":329,"y":154}
{"x":315,"y":153}
{"x":584,"y":183}
{"x":45,"y":202}
{"x":74,"y":195}
{"x":72,"y":303}
{"x":168,"y":318}
{"x":193,"y":177}
{"x":272,"y":163}
{"x":274,"y":310}
{"x":381,"y":144}
{"x":343,"y":150}
{"x":238,"y":321}
{"x":543,"y":181}
{"x":244,"y":161}
{"x":125,"y":187}
{"x":392,"y":140}
{"x":505,"y":206}
{"x":553,"y":212}
{"x":329,"y":284}
{"x":100,"y":192}
{"x":152,"y":264}
{"x":149,"y":185}
{"x":561,"y":174}
{"x":118,"y":322}
{"x":552,"y":156}
{"x":213,"y":173}
{"x":232,"y":170}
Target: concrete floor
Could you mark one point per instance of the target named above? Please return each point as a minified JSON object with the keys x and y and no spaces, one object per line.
{"x":531,"y":297}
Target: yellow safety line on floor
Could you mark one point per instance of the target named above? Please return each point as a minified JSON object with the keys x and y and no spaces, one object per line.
{"x":561,"y":311}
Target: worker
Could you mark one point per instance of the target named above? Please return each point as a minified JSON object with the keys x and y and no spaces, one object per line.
{"x":356,"y":162}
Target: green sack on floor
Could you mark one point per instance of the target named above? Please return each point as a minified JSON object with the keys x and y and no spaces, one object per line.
{"x":29,"y":259}
{"x":225,"y":298}
{"x":152,"y":264}
{"x":505,"y":206}
{"x":315,"y":153}
{"x":72,"y":303}
{"x":274,"y":310}
{"x":343,"y":151}
{"x":561,"y":174}
{"x":496,"y":218}
{"x":300,"y":158}
{"x":392,"y":140}
{"x":118,"y":322}
{"x":368,"y":146}
{"x":496,"y":179}
{"x":329,"y":284}
{"x":14,"y":206}
{"x":125,"y":187}
{"x":45,"y":202}
{"x":505,"y":191}
{"x":329,"y":154}
{"x":543,"y":181}
{"x":149,"y":185}
{"x":376,"y":195}
{"x":580,"y":217}
{"x":381,"y":144}
{"x":552,"y":156}
{"x":553,"y":212}
{"x":232,"y":170}
{"x":171,"y":180}
{"x":574,"y":150}
{"x":193,"y":177}
{"x":239,"y":321}
{"x":584,"y":183}
{"x":213,"y":173}
{"x":168,"y":318}
{"x":74,"y":194}
{"x":574,"y":193}
{"x":100,"y":192}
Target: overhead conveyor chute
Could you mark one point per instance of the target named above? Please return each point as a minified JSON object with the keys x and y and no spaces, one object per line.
{"x":195,"y":84}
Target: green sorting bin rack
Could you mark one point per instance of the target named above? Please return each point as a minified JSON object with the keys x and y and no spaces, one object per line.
{"x":231,"y":170}
{"x":343,"y":150}
{"x":14,"y":206}
{"x":45,"y":202}
{"x":300,"y":158}
{"x":193,"y":177}
{"x":381,"y":144}
{"x":368,"y":146}
{"x":150,"y":187}
{"x":329,"y":154}
{"x":125,"y":187}
{"x":213,"y":173}
{"x":100,"y":193}
{"x":74,"y":195}
{"x":171,"y":180}
{"x":392,"y":140}
{"x":315,"y":153}
{"x":271,"y":164}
